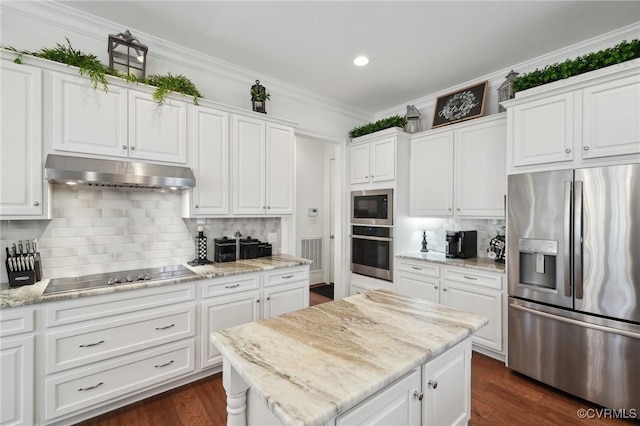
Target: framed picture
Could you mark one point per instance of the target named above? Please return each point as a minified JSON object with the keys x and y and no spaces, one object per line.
{"x":460,"y":105}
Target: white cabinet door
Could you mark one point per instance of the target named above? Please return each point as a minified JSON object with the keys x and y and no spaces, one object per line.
{"x":418,"y":286}
{"x":248,"y":136}
{"x":447,"y":387}
{"x":87,"y":120}
{"x":542,"y":130}
{"x":285,"y":298}
{"x":383,"y":160}
{"x":21,"y":184}
{"x":396,"y":405}
{"x":223,"y":312}
{"x":479,"y":301}
{"x":359,"y":164}
{"x":610,"y":121}
{"x":431,"y":175}
{"x":157,"y":133}
{"x":480,"y":170}
{"x":210,"y":133}
{"x":280,"y":169}
{"x":17,"y":380}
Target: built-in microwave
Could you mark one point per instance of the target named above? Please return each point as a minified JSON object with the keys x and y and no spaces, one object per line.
{"x":374,"y":207}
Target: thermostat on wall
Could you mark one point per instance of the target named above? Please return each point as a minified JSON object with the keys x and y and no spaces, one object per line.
{"x":313,"y":212}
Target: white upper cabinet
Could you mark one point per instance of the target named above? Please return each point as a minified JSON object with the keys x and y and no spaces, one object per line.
{"x":459,"y":171}
{"x":209,"y":144}
{"x":264,"y":167}
{"x":372,"y":158}
{"x":611,"y":123}
{"x":121,"y":122}
{"x":22,"y":189}
{"x":156,"y":132}
{"x":431,"y":175}
{"x":589,"y":120}
{"x":87,"y":120}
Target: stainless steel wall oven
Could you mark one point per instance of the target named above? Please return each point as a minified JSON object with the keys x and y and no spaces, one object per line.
{"x":372,"y":251}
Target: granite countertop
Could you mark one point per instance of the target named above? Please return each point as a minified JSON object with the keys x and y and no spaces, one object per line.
{"x":310,"y":365}
{"x":481,"y":263}
{"x":31,"y":294}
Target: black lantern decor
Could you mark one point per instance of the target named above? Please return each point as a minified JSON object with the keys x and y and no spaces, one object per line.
{"x":127,"y":54}
{"x":259,"y":97}
{"x":505,"y":91}
{"x":413,"y":120}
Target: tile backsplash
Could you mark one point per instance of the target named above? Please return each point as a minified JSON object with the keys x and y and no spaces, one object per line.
{"x":95,"y":231}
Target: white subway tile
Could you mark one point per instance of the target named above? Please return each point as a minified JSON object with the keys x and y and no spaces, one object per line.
{"x":64,"y":232}
{"x":91,"y":250}
{"x":89,"y":232}
{"x":101,"y":240}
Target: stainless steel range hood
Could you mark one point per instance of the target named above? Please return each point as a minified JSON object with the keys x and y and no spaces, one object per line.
{"x":92,"y":172}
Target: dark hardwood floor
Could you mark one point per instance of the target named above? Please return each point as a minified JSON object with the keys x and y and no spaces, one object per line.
{"x":498,"y":397}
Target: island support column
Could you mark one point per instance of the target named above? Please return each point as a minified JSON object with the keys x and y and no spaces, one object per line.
{"x":236,"y":389}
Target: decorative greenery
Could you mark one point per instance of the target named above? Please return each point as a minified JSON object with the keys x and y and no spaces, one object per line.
{"x":259,"y":93}
{"x":172,"y":83}
{"x":622,"y":52}
{"x":385,"y":123}
{"x":89,"y":65}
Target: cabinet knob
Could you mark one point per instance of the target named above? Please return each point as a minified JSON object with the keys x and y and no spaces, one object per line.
{"x":372,"y":176}
{"x":269,"y":298}
{"x":444,"y":289}
{"x":133,"y":148}
{"x":433,"y":383}
{"x":568,"y":150}
{"x":124,"y":147}
{"x":449,"y":209}
{"x":36,"y":203}
{"x":586,"y":148}
{"x":197,"y":206}
{"x":435,"y":286}
{"x":268,"y":207}
{"x":458,"y":209}
{"x":418,"y":395}
{"x":258,"y":301}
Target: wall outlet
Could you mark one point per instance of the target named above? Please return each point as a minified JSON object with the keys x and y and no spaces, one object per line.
{"x":272,"y":238}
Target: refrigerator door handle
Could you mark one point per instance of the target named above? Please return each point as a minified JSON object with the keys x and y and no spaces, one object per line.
{"x":566,"y":244}
{"x":577,"y":239}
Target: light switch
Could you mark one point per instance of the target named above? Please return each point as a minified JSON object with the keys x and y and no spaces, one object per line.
{"x":313,"y":212}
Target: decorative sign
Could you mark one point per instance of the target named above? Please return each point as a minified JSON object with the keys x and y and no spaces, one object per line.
{"x":461,"y":105}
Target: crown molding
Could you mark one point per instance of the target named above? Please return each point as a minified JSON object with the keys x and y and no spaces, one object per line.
{"x":94,"y":27}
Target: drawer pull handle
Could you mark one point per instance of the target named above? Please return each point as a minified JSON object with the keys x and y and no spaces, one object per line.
{"x":90,"y":387}
{"x":470,"y":278}
{"x":286,"y":277}
{"x":416,"y":268}
{"x":164,"y":365}
{"x":88,"y":345}
{"x":165,"y":327}
{"x":232,"y":286}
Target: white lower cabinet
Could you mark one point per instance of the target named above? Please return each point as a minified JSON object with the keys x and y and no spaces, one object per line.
{"x":236,"y":300}
{"x":398,"y":404}
{"x":437,"y":393}
{"x":466,"y":289}
{"x":447,"y":387}
{"x":17,"y":358}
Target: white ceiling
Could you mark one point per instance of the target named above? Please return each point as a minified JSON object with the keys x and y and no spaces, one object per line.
{"x":416,"y":48}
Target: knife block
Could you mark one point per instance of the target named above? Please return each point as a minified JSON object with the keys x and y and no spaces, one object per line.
{"x":18,"y":279}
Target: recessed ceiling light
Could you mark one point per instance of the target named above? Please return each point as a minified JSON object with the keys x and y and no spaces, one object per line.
{"x":361,"y":61}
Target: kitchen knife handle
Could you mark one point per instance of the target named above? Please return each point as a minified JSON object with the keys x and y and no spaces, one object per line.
{"x":577,"y":239}
{"x":566,"y":243}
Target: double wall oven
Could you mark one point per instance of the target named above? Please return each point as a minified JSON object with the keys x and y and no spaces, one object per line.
{"x":372,"y":233}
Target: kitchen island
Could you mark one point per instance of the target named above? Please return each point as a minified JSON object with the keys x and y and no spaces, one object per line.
{"x":312,"y":365}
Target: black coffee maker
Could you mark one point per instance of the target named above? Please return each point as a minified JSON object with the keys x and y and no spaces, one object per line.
{"x":461,"y":244}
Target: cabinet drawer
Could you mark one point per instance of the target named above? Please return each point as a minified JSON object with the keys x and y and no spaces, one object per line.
{"x":282,"y":276}
{"x":89,"y":308}
{"x":75,"y":346}
{"x":107,"y":381}
{"x":420,"y":268}
{"x":16,"y":321}
{"x":488,"y":280}
{"x":235,"y":284}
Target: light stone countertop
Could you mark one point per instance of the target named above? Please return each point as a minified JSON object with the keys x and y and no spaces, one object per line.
{"x":32,"y":294}
{"x":481,"y":263}
{"x":310,"y":365}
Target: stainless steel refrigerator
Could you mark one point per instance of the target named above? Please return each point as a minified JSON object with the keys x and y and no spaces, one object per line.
{"x":574,"y":281}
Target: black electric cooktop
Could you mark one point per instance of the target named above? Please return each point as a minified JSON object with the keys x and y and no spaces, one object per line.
{"x":86,"y":282}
